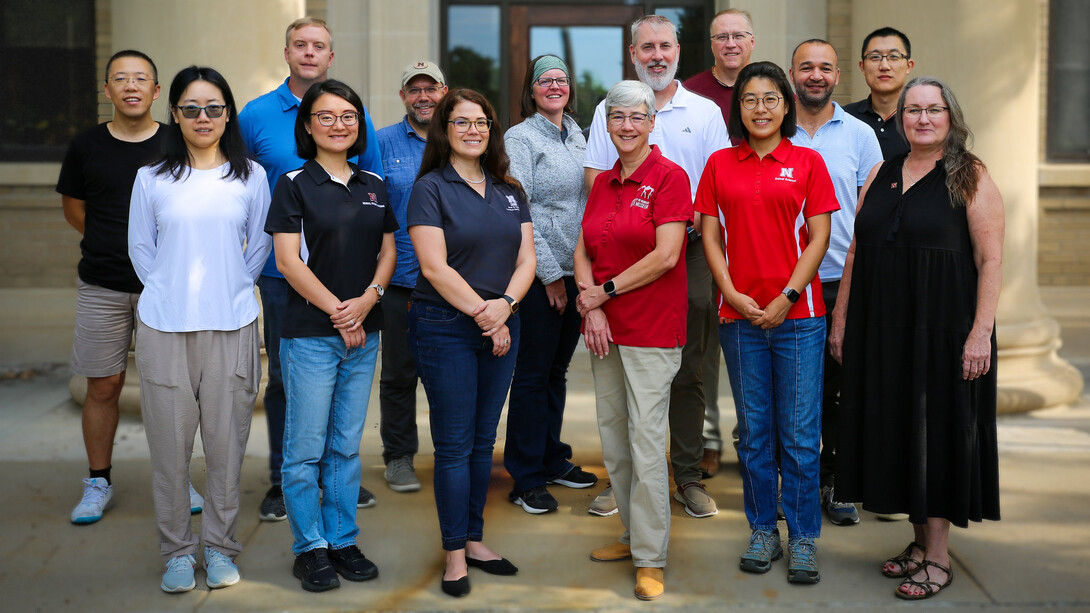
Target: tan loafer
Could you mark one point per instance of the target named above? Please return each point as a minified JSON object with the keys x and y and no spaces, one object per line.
{"x":614,"y":552}
{"x":649,"y":583}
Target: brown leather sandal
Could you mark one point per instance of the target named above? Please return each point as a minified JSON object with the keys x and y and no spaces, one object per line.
{"x":929,"y":587}
{"x":904,"y":562}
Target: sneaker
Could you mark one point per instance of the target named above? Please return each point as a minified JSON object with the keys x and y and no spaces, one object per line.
{"x":603,"y":504}
{"x":575,"y":478}
{"x":802,"y":565}
{"x":696,"y":499}
{"x":179,"y":575}
{"x":764,"y":549}
{"x":272,"y":507}
{"x":400,"y":475}
{"x":535,"y":500}
{"x":840,"y":513}
{"x":366,"y":499}
{"x":97,"y":494}
{"x":350,"y":563}
{"x":220,"y":568}
{"x":196,"y":501}
{"x":314,"y":570}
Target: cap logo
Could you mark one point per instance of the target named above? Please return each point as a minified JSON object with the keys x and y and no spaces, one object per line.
{"x":421,"y":65}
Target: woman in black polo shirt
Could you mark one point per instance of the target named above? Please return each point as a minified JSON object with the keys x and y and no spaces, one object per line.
{"x":471,"y":229}
{"x":333,"y":230}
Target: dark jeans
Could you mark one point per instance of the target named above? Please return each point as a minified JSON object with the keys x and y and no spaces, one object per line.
{"x":397,"y":384}
{"x":274,"y":300}
{"x":830,"y":400}
{"x":534,"y":452}
{"x":466,"y":386}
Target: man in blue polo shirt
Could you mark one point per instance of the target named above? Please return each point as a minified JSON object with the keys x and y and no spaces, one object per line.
{"x":422,"y":86}
{"x":850,"y":150}
{"x":268,"y":127}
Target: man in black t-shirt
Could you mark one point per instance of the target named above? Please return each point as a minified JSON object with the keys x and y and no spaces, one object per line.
{"x":95,"y":185}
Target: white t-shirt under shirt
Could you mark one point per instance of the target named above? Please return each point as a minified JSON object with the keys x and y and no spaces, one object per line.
{"x":198,"y":245}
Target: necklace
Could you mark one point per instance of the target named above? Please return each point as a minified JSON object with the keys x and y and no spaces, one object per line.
{"x":473,"y":182}
{"x":716,"y":77}
{"x":909,"y":174}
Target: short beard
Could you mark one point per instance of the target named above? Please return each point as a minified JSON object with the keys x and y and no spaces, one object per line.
{"x":655,"y":82}
{"x":813,"y":104}
{"x":420,"y":121}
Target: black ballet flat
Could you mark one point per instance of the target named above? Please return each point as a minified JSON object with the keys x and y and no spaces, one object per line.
{"x":503,"y":566}
{"x":456,"y":588}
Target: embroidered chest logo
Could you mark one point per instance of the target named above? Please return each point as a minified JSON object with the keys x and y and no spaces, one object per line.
{"x":373,"y":201}
{"x":643,"y":196}
{"x":893,"y":185}
{"x":786,"y":174}
{"x":512,"y":204}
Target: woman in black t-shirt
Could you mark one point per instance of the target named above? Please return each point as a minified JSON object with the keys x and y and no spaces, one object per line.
{"x":333,"y":230}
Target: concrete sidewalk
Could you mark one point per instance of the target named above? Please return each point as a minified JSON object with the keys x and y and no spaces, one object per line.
{"x":1033,"y":560}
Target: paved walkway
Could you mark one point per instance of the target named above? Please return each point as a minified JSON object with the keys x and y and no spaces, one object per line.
{"x":1034,"y":560}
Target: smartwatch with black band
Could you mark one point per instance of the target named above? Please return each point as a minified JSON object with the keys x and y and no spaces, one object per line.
{"x":792,"y":295}
{"x":610,"y":288}
{"x":514,"y":303}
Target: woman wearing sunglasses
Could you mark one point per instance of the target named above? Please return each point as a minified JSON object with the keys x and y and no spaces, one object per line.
{"x":197,"y":242}
{"x":471,"y":229}
{"x":766,"y":206}
{"x":332,"y":227}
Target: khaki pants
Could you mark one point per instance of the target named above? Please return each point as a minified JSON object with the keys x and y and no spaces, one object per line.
{"x":632,"y":390}
{"x":207,"y":378}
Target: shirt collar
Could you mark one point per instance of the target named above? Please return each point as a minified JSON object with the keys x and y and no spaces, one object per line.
{"x":287,"y":99}
{"x":409,"y":130}
{"x":779,"y":154}
{"x":451,"y":176}
{"x":641,"y":172}
{"x":319,"y":175}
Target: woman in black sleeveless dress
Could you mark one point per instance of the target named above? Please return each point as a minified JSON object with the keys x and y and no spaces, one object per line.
{"x":917,"y":340}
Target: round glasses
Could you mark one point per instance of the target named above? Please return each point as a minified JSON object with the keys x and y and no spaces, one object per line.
{"x":192,"y":111}
{"x":771,"y":101}
{"x":462,"y":125}
{"x":350,"y":118}
{"x":637,"y":119}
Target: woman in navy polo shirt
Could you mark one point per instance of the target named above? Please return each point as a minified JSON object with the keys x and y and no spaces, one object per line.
{"x":333,"y":232}
{"x":471,"y":229}
{"x":766,"y":206}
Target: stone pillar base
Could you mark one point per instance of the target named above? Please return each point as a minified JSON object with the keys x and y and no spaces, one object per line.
{"x":1031,"y":374}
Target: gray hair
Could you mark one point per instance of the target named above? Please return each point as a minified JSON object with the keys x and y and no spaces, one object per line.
{"x":631,"y":94}
{"x":655,"y":21}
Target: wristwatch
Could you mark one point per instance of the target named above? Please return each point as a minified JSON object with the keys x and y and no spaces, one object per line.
{"x":378,"y":288}
{"x":792,"y":295}
{"x":610,"y":288}
{"x":514,"y":303}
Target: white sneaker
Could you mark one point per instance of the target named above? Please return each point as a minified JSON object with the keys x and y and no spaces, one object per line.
{"x":179,"y":575}
{"x":220,"y":568}
{"x":196,"y":501}
{"x":97,"y":494}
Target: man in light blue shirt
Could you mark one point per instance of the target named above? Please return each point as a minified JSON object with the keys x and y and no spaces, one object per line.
{"x":268,"y":128}
{"x":422,"y":86}
{"x":850,"y":150}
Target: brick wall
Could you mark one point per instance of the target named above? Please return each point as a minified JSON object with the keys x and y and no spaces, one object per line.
{"x":39,"y":249}
{"x":1063,"y":254}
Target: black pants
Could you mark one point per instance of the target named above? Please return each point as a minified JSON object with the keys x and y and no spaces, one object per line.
{"x":397,"y":383}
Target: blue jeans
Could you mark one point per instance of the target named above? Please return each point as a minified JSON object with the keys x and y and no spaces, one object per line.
{"x":534,"y":452}
{"x":776,"y":377}
{"x":466,"y":386}
{"x":328,"y":387}
{"x":274,"y":300}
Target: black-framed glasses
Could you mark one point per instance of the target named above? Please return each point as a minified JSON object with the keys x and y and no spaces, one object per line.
{"x":431,"y":91}
{"x":735,"y":36}
{"x":771,"y":101}
{"x":876,"y":58}
{"x":462,"y":124}
{"x":932,"y":111}
{"x":350,"y":118}
{"x":192,"y":111}
{"x":637,"y":119}
{"x":560,"y":81}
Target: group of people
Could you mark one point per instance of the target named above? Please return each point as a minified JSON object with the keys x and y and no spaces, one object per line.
{"x":723,"y":214}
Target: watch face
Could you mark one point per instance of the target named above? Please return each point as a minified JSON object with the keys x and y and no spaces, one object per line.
{"x":610,"y":287}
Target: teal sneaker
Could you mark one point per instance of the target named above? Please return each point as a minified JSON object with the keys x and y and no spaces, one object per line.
{"x":764,"y":549}
{"x":802,"y":566}
{"x":220,"y":568}
{"x":179,"y":575}
{"x":196,"y":501}
{"x":97,"y":494}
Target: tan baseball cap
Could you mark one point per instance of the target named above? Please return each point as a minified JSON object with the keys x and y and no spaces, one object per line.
{"x":422,"y":67}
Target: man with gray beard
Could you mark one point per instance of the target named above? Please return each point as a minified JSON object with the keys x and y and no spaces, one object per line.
{"x":688,"y":129}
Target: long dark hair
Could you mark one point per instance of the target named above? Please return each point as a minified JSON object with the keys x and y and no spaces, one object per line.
{"x":437,"y":152}
{"x":175,"y":162}
{"x":772,"y":72}
{"x":304,"y":141}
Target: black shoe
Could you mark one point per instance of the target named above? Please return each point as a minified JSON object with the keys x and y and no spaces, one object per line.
{"x":350,"y":564}
{"x":366,"y":499}
{"x":535,"y":500}
{"x":272,"y":508}
{"x":575,"y":478}
{"x":456,"y":588}
{"x":503,"y":566}
{"x":315,"y":572}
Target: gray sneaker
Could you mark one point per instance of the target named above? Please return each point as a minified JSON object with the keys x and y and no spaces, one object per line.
{"x":604,"y":504}
{"x":764,"y":549}
{"x":697,"y":501}
{"x":400,"y":475}
{"x":802,"y":566}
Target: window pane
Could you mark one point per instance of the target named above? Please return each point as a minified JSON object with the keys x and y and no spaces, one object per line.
{"x":473,"y":38}
{"x":594,"y":55}
{"x":692,"y":35}
{"x":1069,"y":76}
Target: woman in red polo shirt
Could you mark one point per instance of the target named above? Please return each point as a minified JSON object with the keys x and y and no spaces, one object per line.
{"x":766,"y":206}
{"x":634,"y":302}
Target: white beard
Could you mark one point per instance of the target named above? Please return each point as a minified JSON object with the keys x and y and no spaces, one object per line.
{"x":656,"y":82}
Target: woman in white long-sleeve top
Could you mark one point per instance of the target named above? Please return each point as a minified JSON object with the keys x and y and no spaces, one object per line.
{"x":197,"y":242}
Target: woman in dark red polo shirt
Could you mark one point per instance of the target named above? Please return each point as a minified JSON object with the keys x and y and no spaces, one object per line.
{"x":766,"y":206}
{"x":634,"y":303}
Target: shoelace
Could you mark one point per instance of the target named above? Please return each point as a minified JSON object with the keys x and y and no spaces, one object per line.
{"x":802,"y":553}
{"x":180,"y":563}
{"x":761,"y":542}
{"x":215,"y":559}
{"x":93,"y":493}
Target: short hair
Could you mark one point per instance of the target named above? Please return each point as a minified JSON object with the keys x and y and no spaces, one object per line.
{"x":136,"y":54}
{"x":632,"y":94}
{"x":655,"y":21}
{"x":813,"y":41}
{"x":772,"y":72}
{"x":527,"y":106}
{"x":304,"y":140}
{"x":303,"y":22}
{"x":886,"y":31}
{"x":744,"y":14}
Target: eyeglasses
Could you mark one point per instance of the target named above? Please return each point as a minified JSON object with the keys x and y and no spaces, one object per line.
{"x":136,"y":79}
{"x":462,"y":124}
{"x":736,"y":36}
{"x":876,"y":58}
{"x":192,"y":111}
{"x":327,"y":119}
{"x":560,"y":81}
{"x":771,"y":101}
{"x":932,"y":111}
{"x":431,"y":91}
{"x":637,"y":119}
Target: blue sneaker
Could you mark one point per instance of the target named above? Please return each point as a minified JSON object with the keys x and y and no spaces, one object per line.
{"x":221,"y":570}
{"x":97,"y":494}
{"x":764,"y":548}
{"x":179,"y":575}
{"x":196,"y":501}
{"x":802,"y":567}
{"x":840,"y":513}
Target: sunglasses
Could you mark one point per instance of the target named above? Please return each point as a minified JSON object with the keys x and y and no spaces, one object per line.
{"x":192,"y":111}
